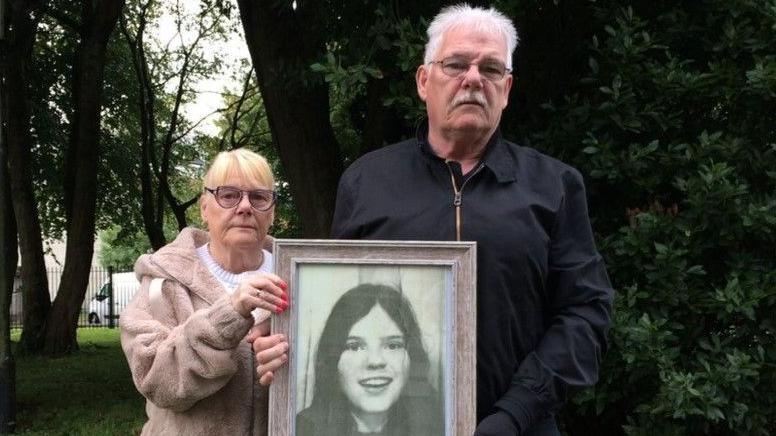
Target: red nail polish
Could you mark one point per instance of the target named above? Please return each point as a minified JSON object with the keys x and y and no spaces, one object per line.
{"x":283,"y":285}
{"x":284,"y":296}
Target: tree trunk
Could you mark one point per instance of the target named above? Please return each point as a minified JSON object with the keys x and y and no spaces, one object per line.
{"x":7,"y":269}
{"x":152,"y":221}
{"x":34,"y":281}
{"x":7,"y":265}
{"x":98,"y":21}
{"x":282,"y":47}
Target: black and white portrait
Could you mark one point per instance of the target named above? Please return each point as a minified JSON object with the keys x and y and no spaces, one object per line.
{"x":370,"y":349}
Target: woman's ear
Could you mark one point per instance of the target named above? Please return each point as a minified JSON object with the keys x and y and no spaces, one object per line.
{"x":203,"y":209}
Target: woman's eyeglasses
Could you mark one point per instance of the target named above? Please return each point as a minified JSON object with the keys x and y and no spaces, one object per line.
{"x":229,"y":197}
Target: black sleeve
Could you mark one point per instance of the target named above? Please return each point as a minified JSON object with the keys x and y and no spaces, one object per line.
{"x":580,"y":299}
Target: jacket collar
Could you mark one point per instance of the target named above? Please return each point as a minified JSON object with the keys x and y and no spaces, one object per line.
{"x":179,"y":261}
{"x":497,"y":157}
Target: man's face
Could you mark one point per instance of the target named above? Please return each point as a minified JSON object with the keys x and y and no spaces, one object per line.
{"x":470,"y":103}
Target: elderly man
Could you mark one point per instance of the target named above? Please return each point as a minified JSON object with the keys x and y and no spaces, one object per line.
{"x":543,"y":298}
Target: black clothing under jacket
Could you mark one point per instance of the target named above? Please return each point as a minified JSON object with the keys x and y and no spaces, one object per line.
{"x":543,"y":296}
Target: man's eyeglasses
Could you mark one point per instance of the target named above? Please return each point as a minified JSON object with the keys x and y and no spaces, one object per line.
{"x":489,"y":69}
{"x":229,"y":197}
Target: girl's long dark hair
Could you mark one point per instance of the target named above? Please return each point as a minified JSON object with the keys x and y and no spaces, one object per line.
{"x":348,"y":310}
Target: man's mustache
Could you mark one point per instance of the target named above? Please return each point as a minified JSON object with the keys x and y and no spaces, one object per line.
{"x":468,"y":97}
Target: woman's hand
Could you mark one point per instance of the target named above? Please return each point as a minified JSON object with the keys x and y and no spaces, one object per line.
{"x":264,"y":291}
{"x":271,"y":351}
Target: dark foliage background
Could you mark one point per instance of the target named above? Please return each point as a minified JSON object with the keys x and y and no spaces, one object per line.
{"x":668,"y":109}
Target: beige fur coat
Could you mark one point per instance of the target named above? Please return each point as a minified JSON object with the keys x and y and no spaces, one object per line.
{"x":187,"y":354}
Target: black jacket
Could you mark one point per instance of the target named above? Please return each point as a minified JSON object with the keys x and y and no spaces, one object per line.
{"x":543,"y":295}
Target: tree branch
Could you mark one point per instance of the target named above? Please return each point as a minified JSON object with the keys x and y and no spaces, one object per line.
{"x":236,"y":118}
{"x":62,"y":18}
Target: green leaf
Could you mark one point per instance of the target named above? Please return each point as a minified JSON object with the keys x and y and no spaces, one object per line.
{"x":696,"y":270}
{"x":318,"y":67}
{"x":593,"y":65}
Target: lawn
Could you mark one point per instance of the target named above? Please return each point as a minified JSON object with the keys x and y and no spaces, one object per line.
{"x":88,"y":393}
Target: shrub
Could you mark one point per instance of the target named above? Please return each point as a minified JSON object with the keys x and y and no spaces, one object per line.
{"x":675,"y":128}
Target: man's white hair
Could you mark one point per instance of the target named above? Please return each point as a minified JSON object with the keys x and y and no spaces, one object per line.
{"x":480,"y":19}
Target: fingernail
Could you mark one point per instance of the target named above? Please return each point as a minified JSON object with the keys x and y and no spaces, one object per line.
{"x":278,"y":309}
{"x":284,"y":296}
{"x":283,"y":285}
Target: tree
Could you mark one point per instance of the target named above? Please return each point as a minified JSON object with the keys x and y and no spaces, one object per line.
{"x":97,"y":23}
{"x":244,"y":122}
{"x":151,"y":206}
{"x":283,"y":42}
{"x":23,"y":24}
{"x":7,"y":272}
{"x":177,"y":65}
{"x":8,"y":255}
{"x":41,"y":94}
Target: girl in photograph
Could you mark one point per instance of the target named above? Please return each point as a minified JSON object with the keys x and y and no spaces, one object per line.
{"x":371,"y":371}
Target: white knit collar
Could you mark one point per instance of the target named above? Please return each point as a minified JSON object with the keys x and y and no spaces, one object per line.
{"x":227,"y":278}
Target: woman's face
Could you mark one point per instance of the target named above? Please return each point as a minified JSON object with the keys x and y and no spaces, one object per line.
{"x":240,"y":226}
{"x":375,"y":365}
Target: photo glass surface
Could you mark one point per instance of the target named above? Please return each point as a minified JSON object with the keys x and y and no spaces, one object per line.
{"x":371,"y":348}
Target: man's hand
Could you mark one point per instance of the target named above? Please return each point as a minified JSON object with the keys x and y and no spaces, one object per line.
{"x":271,"y":351}
{"x":497,"y":424}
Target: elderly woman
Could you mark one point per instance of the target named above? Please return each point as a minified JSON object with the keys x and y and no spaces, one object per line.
{"x":371,"y":371}
{"x":184,"y":333}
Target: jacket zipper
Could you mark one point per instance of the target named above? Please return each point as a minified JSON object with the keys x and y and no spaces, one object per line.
{"x":458,"y":199}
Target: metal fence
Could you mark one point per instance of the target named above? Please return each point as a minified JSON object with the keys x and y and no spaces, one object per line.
{"x":107,"y":293}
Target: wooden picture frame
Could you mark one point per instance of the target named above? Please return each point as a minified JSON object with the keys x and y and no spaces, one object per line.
{"x":426,"y":380}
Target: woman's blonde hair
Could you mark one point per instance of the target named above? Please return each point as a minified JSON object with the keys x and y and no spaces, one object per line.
{"x":243,"y":163}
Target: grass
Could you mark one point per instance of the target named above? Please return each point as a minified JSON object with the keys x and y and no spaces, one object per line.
{"x":87,"y":393}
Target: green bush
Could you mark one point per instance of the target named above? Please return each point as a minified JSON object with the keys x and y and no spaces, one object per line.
{"x":675,"y":129}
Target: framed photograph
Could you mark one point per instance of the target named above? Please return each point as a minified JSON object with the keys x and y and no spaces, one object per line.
{"x":382,"y":339}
